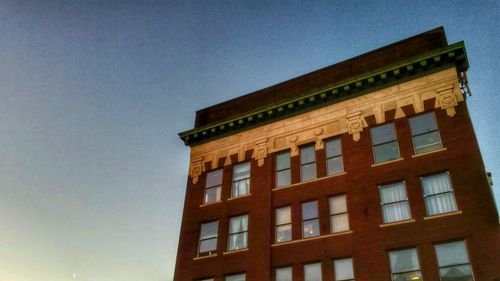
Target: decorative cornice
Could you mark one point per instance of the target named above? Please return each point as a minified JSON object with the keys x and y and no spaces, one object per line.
{"x":427,"y":63}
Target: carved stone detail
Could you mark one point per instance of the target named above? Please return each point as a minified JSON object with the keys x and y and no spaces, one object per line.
{"x":447,"y":100}
{"x":196,"y":168}
{"x":260,"y":152}
{"x":355,"y":124}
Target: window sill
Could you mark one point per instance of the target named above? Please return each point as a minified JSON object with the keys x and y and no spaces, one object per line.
{"x":210,"y":203}
{"x":312,"y":238}
{"x":242,"y":196}
{"x":309,"y":181}
{"x":397,"y":223}
{"x":205,"y":257}
{"x":443,"y":215}
{"x":388,"y":162}
{"x":235,"y":251}
{"x":430,"y":152}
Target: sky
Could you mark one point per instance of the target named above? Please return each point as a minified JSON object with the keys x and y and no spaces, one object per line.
{"x":93,"y":94}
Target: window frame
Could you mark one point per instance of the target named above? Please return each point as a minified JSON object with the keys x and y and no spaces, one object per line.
{"x":413,"y":136}
{"x":382,"y":205}
{"x":332,"y":215}
{"x":230,"y":234}
{"x":384,"y":143}
{"x":403,"y":272}
{"x":233,"y":181}
{"x":352,"y":268}
{"x":313,"y":263}
{"x":310,"y":219}
{"x":302,"y":165}
{"x":200,"y":240}
{"x":450,"y":191}
{"x":277,"y":171}
{"x":454,"y":265}
{"x":218,"y":187}
{"x":341,"y":155}
{"x":288,"y":267}
{"x":276,"y":225}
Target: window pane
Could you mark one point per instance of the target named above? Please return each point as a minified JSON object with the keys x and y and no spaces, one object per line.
{"x":307,"y":154}
{"x":456,"y":273}
{"x":312,"y":272}
{"x":241,"y":171}
{"x":209,"y":279}
{"x":403,"y":261}
{"x":283,"y":161}
{"x":238,"y":224}
{"x":382,"y":134}
{"x":212,"y":194}
{"x":284,"y":274}
{"x":240,"y":187}
{"x":335,"y":165}
{"x":283,"y":178}
{"x":209,"y":230}
{"x":386,"y":152}
{"x":237,"y":241}
{"x":333,"y":148}
{"x":214,"y":178}
{"x":451,"y":253}
{"x":311,"y":228}
{"x":407,"y":276}
{"x":309,"y":210}
{"x":436,"y":184}
{"x":239,"y":277}
{"x":423,"y":123}
{"x":339,"y":223}
{"x":283,"y":215}
{"x":337,"y":204}
{"x":208,"y":245}
{"x":343,"y":269}
{"x":396,"y":212}
{"x":308,"y":172}
{"x":441,"y":203}
{"x":427,"y":142}
{"x":392,"y":193}
{"x":283,"y":233}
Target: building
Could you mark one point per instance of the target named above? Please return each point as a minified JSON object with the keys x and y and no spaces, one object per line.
{"x":368,"y":169}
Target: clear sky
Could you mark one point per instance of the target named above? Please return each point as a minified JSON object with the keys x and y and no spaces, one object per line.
{"x":93,"y":94}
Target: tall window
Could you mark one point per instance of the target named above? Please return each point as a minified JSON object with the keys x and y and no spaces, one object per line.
{"x":307,"y":163}
{"x":339,"y":220}
{"x":405,"y":265}
{"x":312,"y":272}
{"x":334,"y":161}
{"x":283,"y":224}
{"x":438,"y":194}
{"x":239,"y":277}
{"x":343,"y":269}
{"x":283,"y":274}
{"x":213,"y":186}
{"x":283,"y":176}
{"x":425,"y":134}
{"x":238,"y":231}
{"x":385,"y":144}
{"x":241,"y":179}
{"x":453,"y":262}
{"x":310,"y":221}
{"x":395,"y":206}
{"x":208,"y":238}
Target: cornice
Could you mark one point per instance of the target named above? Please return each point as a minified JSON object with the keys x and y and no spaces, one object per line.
{"x":405,"y":70}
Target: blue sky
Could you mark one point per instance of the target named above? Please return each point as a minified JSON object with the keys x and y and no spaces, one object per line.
{"x":93,"y":94}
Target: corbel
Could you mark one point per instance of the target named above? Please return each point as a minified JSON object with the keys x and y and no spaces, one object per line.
{"x":355,"y":124}
{"x":260,"y":152}
{"x":197,"y":168}
{"x":447,"y":99}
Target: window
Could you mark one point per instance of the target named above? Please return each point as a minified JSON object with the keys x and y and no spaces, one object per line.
{"x":239,"y":277}
{"x":312,"y":272}
{"x":283,"y":176}
{"x":238,"y":230}
{"x":453,"y":262}
{"x":307,"y":163}
{"x":213,"y":186}
{"x":339,"y":221}
{"x":209,"y":279}
{"x":310,"y":222}
{"x":395,"y":206}
{"x":343,"y":269}
{"x":425,"y":134}
{"x":284,"y":274}
{"x":334,"y":161}
{"x":208,"y":238}
{"x":405,"y":265}
{"x":283,"y":224}
{"x":241,"y":180}
{"x":438,"y":194}
{"x":385,"y":144}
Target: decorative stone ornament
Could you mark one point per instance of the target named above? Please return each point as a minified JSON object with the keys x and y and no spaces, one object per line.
{"x":196,"y":168}
{"x":447,"y":100}
{"x":355,"y":124}
{"x":260,"y":152}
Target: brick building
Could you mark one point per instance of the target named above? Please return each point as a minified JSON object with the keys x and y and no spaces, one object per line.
{"x":368,"y":169}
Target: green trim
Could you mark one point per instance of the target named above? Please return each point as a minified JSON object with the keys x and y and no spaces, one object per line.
{"x":430,"y":62}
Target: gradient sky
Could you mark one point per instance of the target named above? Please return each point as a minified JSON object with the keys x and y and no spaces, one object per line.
{"x":93,"y":94}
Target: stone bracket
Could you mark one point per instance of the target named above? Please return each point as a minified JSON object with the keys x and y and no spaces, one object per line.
{"x":447,"y":99}
{"x":355,"y":124}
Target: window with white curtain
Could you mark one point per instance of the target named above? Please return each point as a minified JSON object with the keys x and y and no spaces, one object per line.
{"x":241,"y":180}
{"x":208,"y":238}
{"x":239,"y":277}
{"x":405,"y":265}
{"x":384,"y":143}
{"x":343,"y":269}
{"x":238,"y":232}
{"x":213,"y":186}
{"x":307,"y":163}
{"x":312,"y":272}
{"x":453,"y":262}
{"x":283,"y":274}
{"x":283,"y":224}
{"x":339,"y":220}
{"x":334,"y":161}
{"x":438,"y":194}
{"x":425,"y":134}
{"x":283,"y":175}
{"x":394,"y":202}
{"x":310,"y":221}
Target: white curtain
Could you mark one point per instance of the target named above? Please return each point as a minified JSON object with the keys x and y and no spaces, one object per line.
{"x":284,"y":274}
{"x":238,"y":224}
{"x":394,"y":200}
{"x":439,"y":195}
{"x":404,"y":260}
{"x":338,"y":204}
{"x":283,"y":215}
{"x":312,"y":272}
{"x":452,"y":253}
{"x":241,"y":187}
{"x":343,"y":270}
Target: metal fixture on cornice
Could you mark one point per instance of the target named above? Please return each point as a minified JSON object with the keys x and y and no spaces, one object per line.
{"x":464,"y":84}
